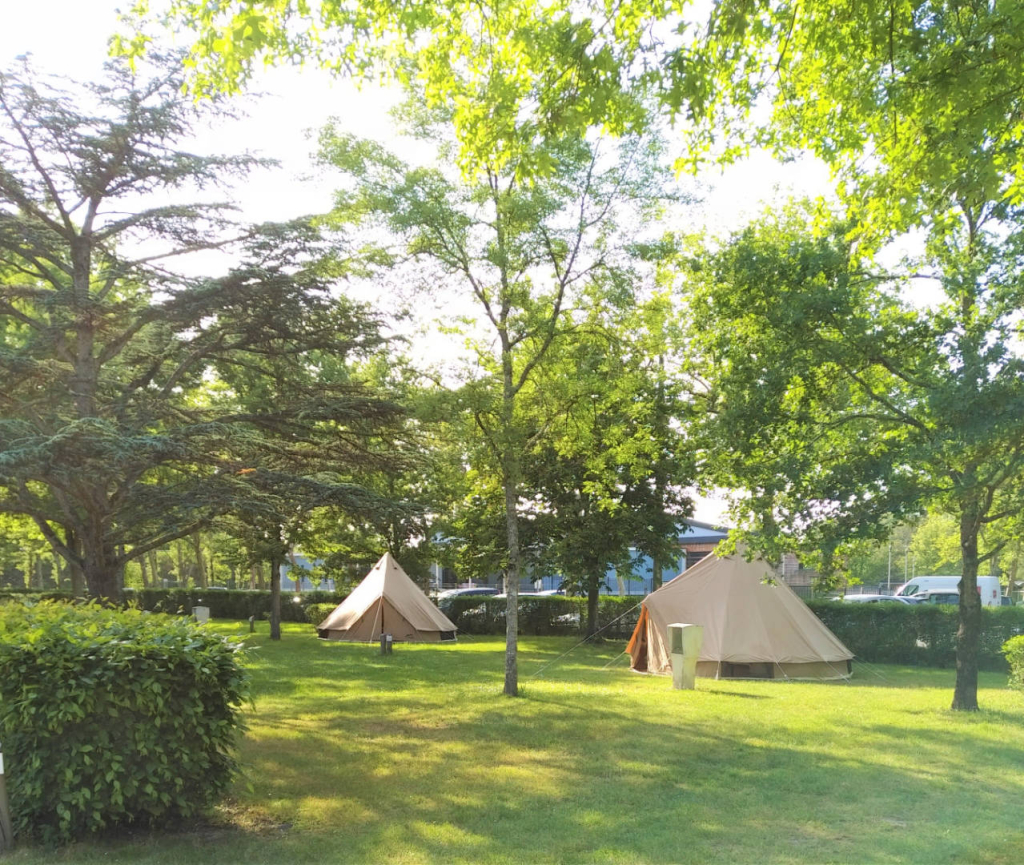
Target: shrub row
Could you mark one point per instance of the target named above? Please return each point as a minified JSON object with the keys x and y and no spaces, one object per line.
{"x":112,"y":716}
{"x":223,"y":604}
{"x":546,"y":615}
{"x":231,"y":603}
{"x":918,"y":634}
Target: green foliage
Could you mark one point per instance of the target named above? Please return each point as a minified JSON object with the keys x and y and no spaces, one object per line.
{"x":921,"y":634}
{"x":316,"y":613}
{"x":224,"y":604}
{"x":545,"y":615}
{"x":140,"y":404}
{"x":231,"y":604}
{"x":110,"y":717}
{"x":1013,"y":649}
{"x":508,"y":75}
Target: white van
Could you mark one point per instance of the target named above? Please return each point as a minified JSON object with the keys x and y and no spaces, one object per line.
{"x":988,"y":587}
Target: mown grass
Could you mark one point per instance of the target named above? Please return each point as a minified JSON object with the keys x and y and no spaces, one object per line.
{"x":416,"y":757}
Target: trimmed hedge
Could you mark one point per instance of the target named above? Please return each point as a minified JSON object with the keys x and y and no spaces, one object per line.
{"x":223,"y":604}
{"x":1013,"y":649}
{"x":231,"y":603}
{"x":110,"y":717}
{"x":917,"y":634}
{"x":544,"y":615}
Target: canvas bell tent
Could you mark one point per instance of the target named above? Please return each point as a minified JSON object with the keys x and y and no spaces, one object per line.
{"x":387,"y":602}
{"x":752,"y":628}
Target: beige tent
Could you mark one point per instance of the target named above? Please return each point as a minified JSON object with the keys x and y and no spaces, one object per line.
{"x":752,"y":629}
{"x":387,"y":602}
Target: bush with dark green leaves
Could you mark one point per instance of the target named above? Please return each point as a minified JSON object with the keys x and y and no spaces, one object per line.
{"x":231,"y":603}
{"x":110,"y":717}
{"x":918,"y":634}
{"x":316,"y":613}
{"x":1013,"y":650}
{"x":543,"y":615}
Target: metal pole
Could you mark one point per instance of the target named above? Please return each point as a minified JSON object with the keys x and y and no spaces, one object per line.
{"x":6,"y":831}
{"x":888,"y":576}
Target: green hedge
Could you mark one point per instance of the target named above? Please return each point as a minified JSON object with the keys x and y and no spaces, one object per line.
{"x":545,"y":615}
{"x":110,"y":717}
{"x":231,"y":603}
{"x":919,"y":634}
{"x":223,"y":604}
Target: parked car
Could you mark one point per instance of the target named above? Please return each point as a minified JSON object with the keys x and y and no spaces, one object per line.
{"x":988,"y":587}
{"x":939,"y":596}
{"x":876,"y":599}
{"x":461,"y":593}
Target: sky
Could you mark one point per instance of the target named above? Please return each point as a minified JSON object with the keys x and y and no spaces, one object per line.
{"x":69,"y":37}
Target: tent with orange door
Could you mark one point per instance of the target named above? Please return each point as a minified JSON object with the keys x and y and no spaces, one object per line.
{"x":755,"y":626}
{"x":387,"y":602}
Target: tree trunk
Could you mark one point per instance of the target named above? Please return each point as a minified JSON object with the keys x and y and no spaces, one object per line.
{"x":275,"y":599}
{"x":511,"y":471}
{"x":100,"y":569}
{"x":968,"y":635}
{"x":154,"y":567}
{"x":179,"y":553}
{"x":197,"y":547}
{"x":145,"y":571}
{"x":512,"y":589}
{"x":593,"y":597}
{"x":656,"y":578}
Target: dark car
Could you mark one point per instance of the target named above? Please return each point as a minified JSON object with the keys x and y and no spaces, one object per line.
{"x":461,"y":593}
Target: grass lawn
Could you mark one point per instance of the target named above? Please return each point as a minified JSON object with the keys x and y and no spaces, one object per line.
{"x":417,"y":757}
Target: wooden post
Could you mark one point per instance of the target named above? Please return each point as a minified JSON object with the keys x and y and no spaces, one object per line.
{"x":6,"y":831}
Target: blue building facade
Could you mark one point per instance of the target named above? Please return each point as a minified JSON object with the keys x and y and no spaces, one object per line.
{"x":696,"y":540}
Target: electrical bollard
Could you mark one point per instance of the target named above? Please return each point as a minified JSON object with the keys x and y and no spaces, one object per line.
{"x":684,"y":642}
{"x":6,"y":830}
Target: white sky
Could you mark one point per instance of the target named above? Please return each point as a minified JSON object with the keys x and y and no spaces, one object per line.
{"x":69,"y":37}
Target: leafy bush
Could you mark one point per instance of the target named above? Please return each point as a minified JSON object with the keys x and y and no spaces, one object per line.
{"x":33,"y":595}
{"x":920,"y":634}
{"x":1013,"y":649}
{"x":316,"y":613}
{"x":114,"y":716}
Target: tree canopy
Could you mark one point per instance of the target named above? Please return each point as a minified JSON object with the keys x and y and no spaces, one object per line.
{"x":139,"y":403}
